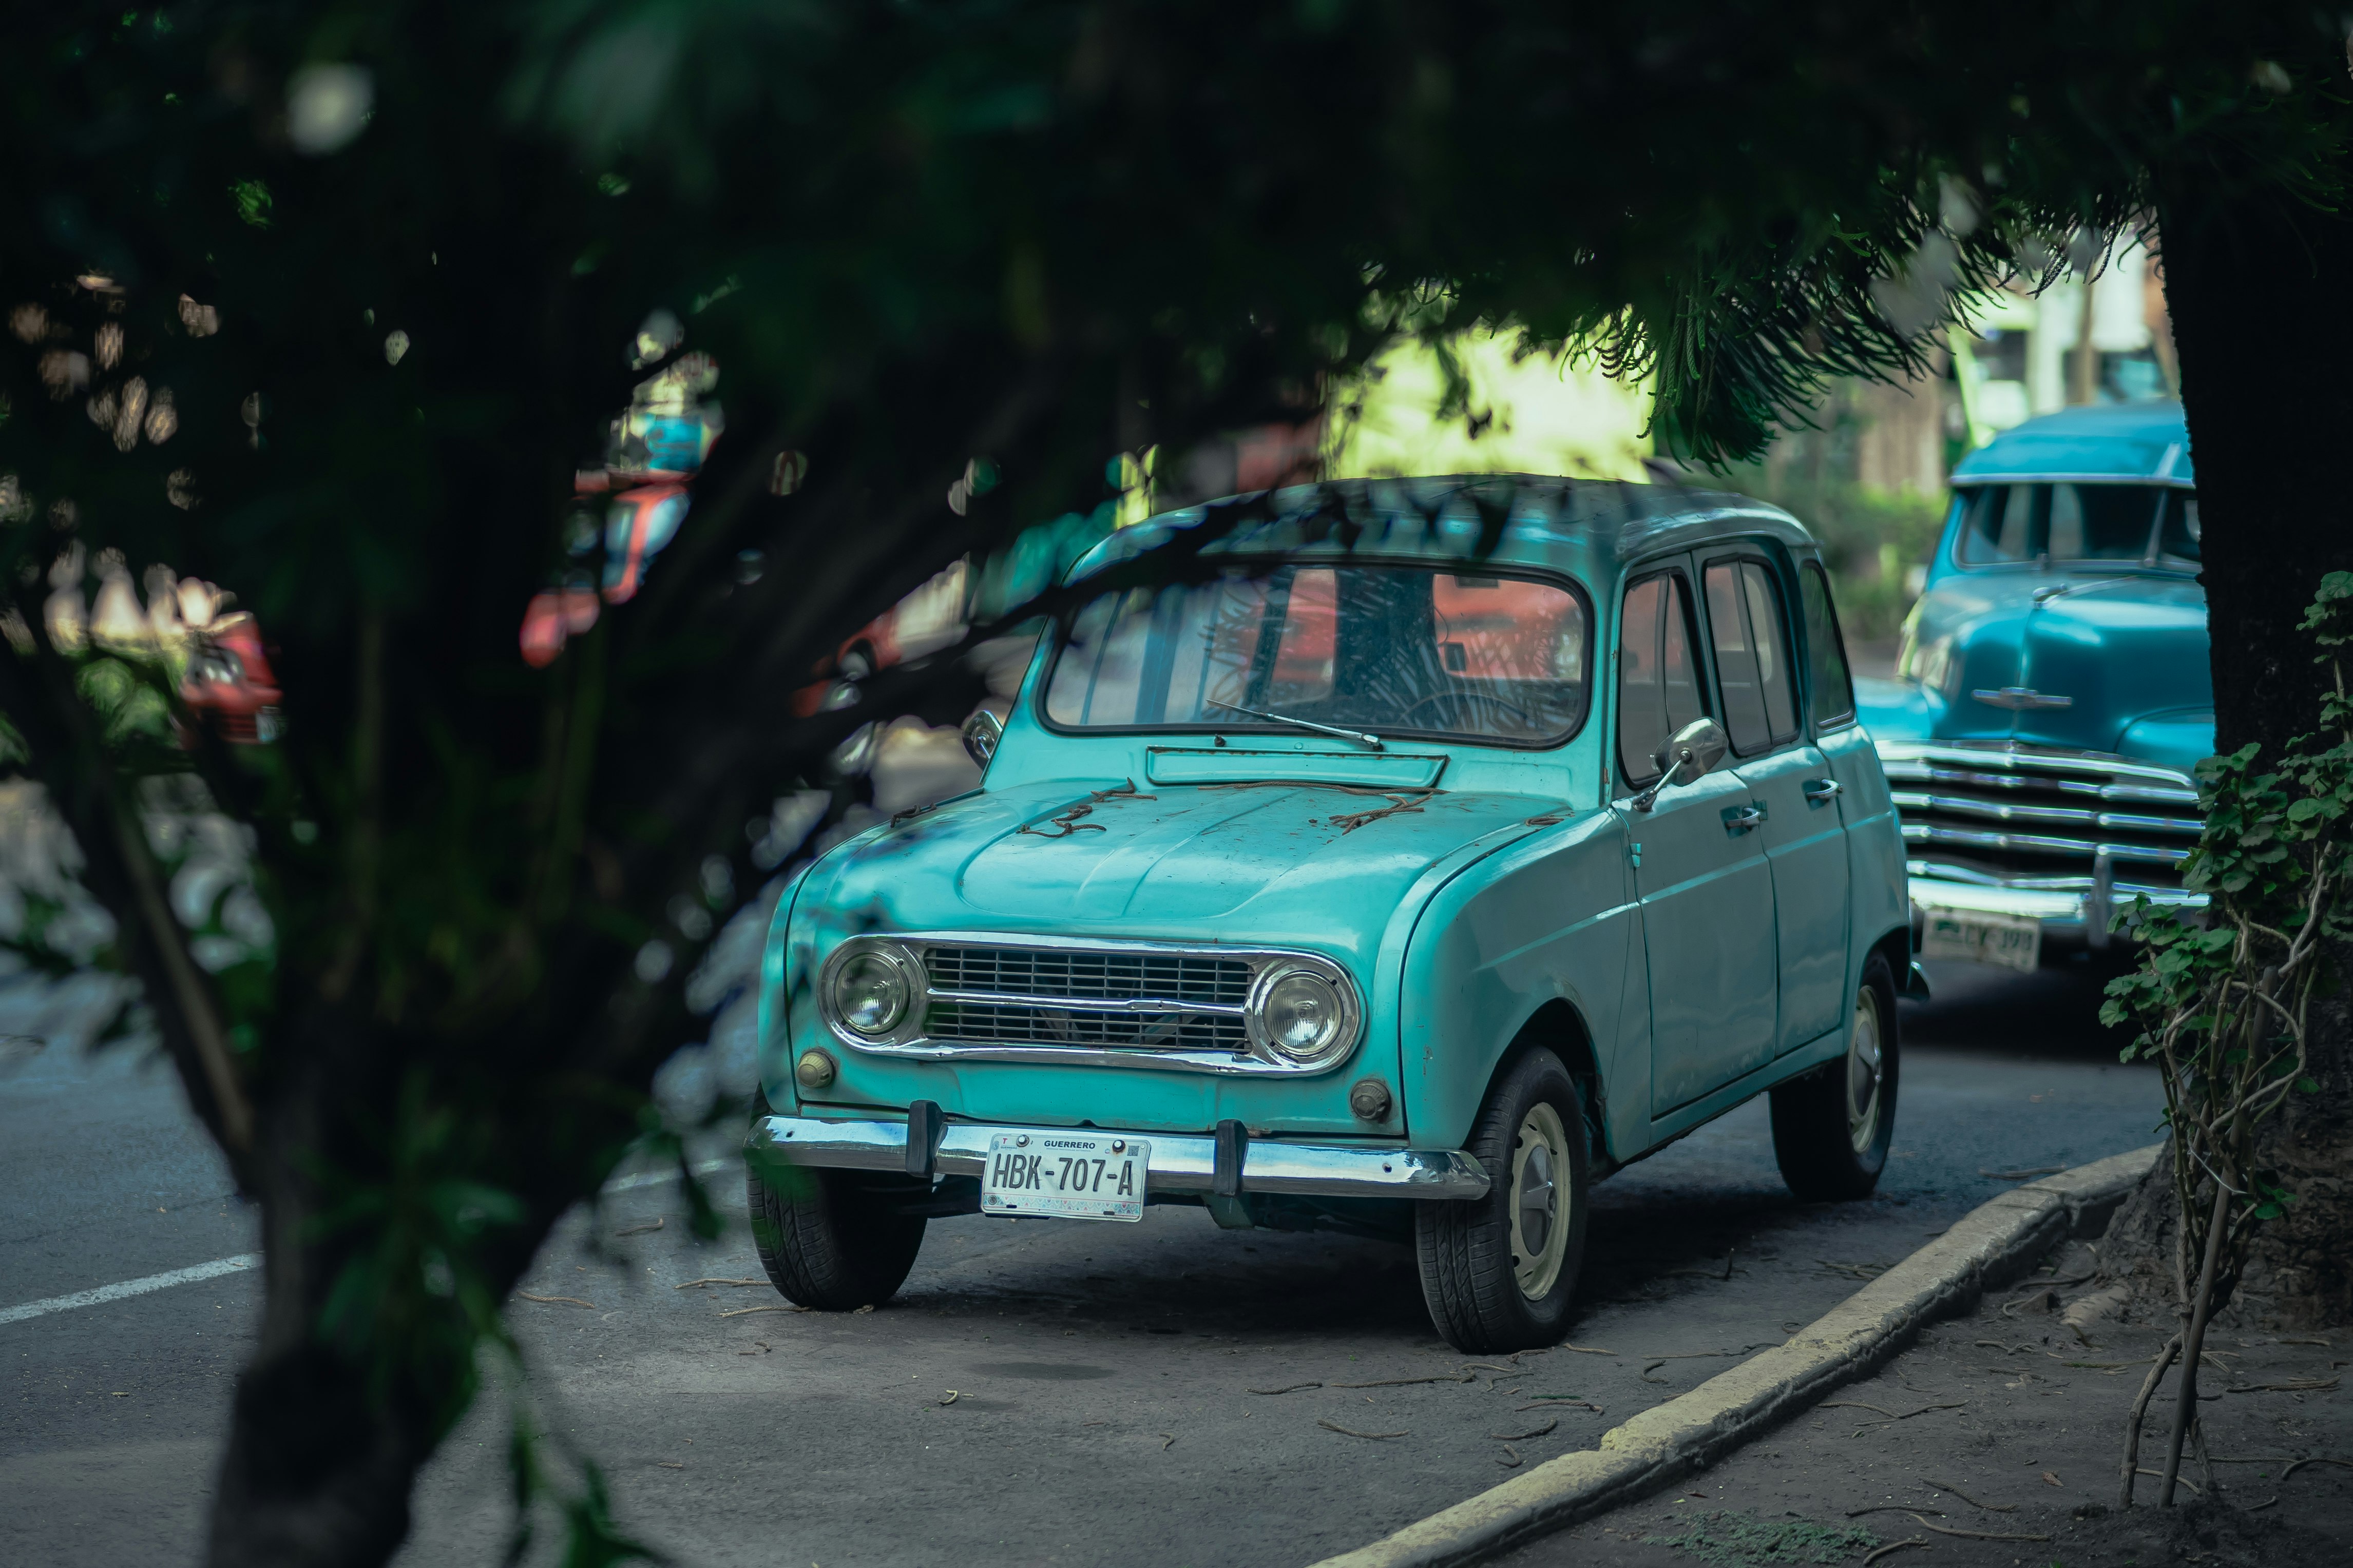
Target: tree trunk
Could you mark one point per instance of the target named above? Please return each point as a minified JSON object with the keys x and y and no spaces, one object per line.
{"x":318,"y":1472}
{"x":348,"y":1393}
{"x":2258,"y":289}
{"x":320,"y":1464}
{"x":324,"y":1448}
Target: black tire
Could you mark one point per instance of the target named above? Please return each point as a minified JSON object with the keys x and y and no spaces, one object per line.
{"x":1826,"y":1153}
{"x":831,"y":1239}
{"x":1491,"y":1286}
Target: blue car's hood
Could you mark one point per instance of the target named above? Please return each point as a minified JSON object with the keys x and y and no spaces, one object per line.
{"x":2128,"y":654}
{"x":1266,"y":865}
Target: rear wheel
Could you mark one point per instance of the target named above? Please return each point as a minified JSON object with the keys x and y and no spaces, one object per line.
{"x":1499,"y":1273}
{"x":1831,"y":1128}
{"x":833,"y":1239}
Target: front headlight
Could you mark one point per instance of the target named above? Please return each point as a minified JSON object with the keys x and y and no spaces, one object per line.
{"x":872,"y":990}
{"x":1301,"y":1017}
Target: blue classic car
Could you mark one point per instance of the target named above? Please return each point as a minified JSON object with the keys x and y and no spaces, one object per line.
{"x":2052,"y":690}
{"x":1433,"y":848}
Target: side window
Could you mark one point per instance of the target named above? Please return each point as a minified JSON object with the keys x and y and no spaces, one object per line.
{"x":1825,"y":652}
{"x":1752,"y":659}
{"x":2177,"y":527}
{"x":1658,"y":679}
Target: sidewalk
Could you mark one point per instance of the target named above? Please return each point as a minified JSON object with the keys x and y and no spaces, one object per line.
{"x":2004,"y":1424}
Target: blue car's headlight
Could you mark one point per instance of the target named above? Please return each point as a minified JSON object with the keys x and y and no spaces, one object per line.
{"x":873,"y":989}
{"x":1302,"y":1015}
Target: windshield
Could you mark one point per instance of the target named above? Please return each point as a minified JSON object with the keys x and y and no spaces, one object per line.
{"x":2146,"y":525}
{"x":1392,"y":650}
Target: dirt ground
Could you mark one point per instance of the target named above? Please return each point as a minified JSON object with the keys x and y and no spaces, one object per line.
{"x":2004,"y":1424}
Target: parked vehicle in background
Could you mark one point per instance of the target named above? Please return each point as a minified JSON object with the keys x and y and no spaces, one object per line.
{"x":1378,"y":886}
{"x":228,"y":680}
{"x":930,"y":618}
{"x":2052,"y":690}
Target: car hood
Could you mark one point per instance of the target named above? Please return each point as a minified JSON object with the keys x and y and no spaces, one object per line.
{"x":1259,"y":863}
{"x":1992,"y":662}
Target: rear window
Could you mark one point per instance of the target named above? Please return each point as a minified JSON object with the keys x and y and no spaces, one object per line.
{"x":2007,"y":524}
{"x":1752,"y":660}
{"x":1833,"y":682}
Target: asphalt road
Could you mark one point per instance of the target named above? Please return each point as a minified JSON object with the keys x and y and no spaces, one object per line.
{"x":1101,"y":1376}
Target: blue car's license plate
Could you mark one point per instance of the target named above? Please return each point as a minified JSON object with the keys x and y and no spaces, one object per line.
{"x":2007,"y":941}
{"x":1065,"y":1176}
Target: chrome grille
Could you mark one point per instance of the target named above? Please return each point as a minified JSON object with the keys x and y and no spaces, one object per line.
{"x":978,"y":1022}
{"x":1128,"y":999}
{"x":1092,"y":975}
{"x":2030,"y":818}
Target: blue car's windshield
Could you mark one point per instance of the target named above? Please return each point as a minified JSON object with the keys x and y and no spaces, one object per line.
{"x":2149,"y":525}
{"x":1391,"y":650}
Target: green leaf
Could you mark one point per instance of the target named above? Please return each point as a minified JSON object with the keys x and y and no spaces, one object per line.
{"x":252,"y":200}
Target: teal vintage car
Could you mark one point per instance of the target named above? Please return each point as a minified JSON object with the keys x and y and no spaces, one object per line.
{"x":1427,"y":850}
{"x":2052,"y":689}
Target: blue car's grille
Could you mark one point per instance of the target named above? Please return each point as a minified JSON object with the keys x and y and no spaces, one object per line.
{"x":978,"y":1023}
{"x":1096,"y":976}
{"x":2027,"y":818}
{"x":1106,"y":1001}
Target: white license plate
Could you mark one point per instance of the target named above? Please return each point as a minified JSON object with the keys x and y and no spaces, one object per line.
{"x":2008,"y":941}
{"x":1064,"y":1175}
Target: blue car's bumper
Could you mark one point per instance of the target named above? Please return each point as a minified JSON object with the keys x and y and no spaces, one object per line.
{"x":1180,"y":1163}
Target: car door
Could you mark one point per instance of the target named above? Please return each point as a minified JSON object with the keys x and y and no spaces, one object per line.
{"x":1797,"y":827}
{"x":1705,"y":891}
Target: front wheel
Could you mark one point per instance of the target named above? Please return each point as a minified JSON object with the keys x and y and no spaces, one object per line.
{"x":1499,"y":1272}
{"x":1831,"y":1128}
{"x":835,"y":1240}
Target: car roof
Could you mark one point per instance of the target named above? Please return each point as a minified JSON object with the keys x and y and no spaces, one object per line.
{"x":2112,"y":443}
{"x":1546,"y":520}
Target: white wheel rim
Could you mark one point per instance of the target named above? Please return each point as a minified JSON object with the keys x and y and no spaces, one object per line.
{"x":1540,"y":1217}
{"x":1865,"y":1068}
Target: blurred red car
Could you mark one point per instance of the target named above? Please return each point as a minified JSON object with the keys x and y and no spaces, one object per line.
{"x":927,"y":619}
{"x":229,"y":678}
{"x":872,"y":646}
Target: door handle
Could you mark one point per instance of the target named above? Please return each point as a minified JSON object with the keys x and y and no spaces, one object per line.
{"x":1821,"y":792}
{"x":1740,"y":819}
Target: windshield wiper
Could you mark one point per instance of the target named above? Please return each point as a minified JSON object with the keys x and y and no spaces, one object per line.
{"x":1358,"y":736}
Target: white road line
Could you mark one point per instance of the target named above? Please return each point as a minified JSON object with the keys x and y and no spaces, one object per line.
{"x":656,"y":1178}
{"x":104,"y":1293}
{"x":246,"y":1260}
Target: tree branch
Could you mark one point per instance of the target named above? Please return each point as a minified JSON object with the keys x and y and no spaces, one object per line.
{"x":57,"y":727}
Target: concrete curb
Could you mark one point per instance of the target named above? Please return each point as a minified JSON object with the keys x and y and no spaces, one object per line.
{"x":1994,"y":1244}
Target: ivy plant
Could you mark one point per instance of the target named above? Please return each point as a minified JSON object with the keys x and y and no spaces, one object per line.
{"x":2223,"y":994}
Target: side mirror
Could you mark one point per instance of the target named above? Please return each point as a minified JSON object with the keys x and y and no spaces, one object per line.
{"x":1697,"y":748}
{"x":981,"y":732}
{"x":1691,"y":756}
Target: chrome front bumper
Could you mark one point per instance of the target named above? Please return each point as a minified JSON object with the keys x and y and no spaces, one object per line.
{"x":1181,"y":1162}
{"x":2073,"y":915}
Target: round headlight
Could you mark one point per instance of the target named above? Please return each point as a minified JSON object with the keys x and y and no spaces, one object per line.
{"x":872,"y":991}
{"x":1300,"y":1015}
